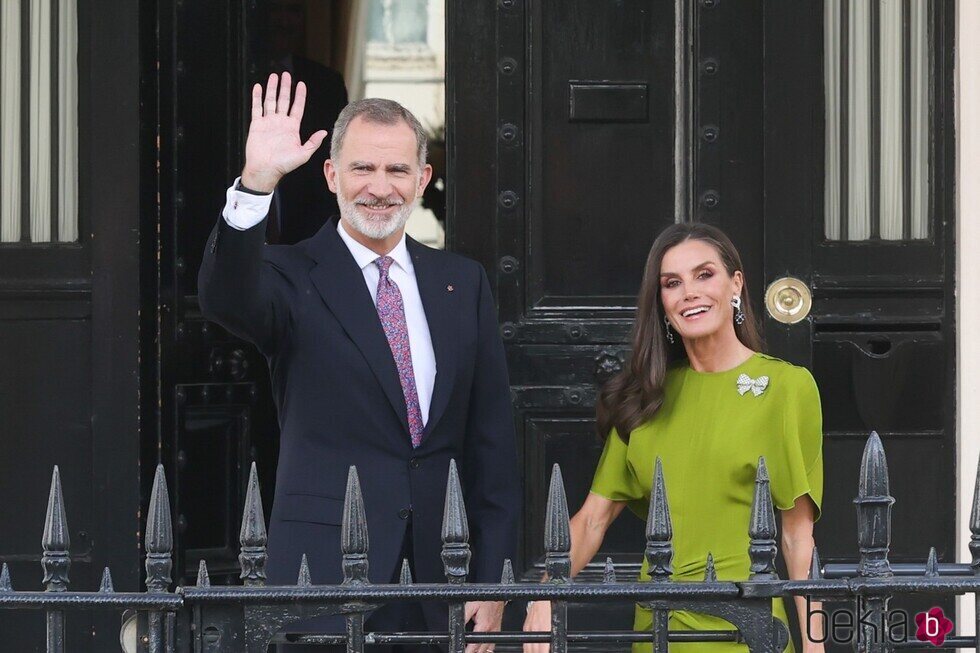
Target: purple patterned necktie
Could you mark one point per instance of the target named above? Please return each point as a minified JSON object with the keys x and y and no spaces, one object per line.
{"x":392,"y":314}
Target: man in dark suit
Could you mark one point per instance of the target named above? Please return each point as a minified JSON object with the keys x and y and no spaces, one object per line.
{"x":384,"y":354}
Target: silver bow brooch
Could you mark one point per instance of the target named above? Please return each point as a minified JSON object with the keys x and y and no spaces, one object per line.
{"x":757,"y":386}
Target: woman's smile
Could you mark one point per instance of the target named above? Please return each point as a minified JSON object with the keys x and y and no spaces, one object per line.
{"x":694,"y":313}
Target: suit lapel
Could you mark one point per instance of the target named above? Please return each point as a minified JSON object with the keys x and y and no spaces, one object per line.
{"x":441,"y":311}
{"x":341,"y":285}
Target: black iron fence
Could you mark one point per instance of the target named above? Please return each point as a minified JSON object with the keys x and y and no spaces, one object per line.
{"x":247,"y":618}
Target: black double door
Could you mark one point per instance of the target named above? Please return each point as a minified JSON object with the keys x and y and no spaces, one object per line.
{"x":577,"y":130}
{"x":581,"y":129}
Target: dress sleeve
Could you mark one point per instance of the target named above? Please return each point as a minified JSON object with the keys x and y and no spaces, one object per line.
{"x":800,"y":471}
{"x":614,"y":478}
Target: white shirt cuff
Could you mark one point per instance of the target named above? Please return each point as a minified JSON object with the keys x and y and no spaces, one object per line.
{"x":244,"y":210}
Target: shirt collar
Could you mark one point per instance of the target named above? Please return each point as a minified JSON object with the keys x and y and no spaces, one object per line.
{"x":365,"y":257}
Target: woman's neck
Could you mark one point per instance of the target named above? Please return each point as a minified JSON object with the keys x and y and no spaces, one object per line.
{"x":716,"y":353}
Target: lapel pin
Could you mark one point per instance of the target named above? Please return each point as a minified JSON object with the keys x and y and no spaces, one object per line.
{"x":450,"y":288}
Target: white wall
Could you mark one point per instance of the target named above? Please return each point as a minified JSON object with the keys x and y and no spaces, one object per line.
{"x":967,"y":279}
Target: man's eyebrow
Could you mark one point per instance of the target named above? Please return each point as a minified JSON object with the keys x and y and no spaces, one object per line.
{"x":361,"y":164}
{"x":399,"y":167}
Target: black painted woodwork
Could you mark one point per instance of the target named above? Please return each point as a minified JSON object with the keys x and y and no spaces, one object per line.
{"x":574,"y":201}
{"x":561,"y":147}
{"x":69,"y":350}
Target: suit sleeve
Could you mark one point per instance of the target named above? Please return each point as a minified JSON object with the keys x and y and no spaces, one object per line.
{"x":491,"y":482}
{"x":239,"y":290}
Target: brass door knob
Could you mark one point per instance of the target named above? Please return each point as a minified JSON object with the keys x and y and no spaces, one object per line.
{"x":788,"y":300}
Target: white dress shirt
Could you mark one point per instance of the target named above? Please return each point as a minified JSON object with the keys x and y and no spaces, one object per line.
{"x":245,"y":210}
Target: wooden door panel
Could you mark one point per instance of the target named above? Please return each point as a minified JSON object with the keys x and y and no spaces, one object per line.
{"x":600,"y":151}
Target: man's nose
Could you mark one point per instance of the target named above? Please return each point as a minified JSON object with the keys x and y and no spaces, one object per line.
{"x":380,"y":186}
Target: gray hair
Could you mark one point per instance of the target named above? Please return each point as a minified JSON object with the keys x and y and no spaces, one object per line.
{"x":381,"y":112}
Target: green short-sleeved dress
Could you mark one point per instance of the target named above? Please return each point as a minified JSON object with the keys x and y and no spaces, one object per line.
{"x":709,"y":438}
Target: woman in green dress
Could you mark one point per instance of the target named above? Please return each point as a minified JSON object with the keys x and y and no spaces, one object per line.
{"x":699,"y":394}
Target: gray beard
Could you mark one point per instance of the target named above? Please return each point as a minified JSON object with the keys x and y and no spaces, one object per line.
{"x":373,"y":227}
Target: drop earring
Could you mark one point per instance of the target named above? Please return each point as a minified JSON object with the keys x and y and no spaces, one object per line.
{"x":739,"y":313}
{"x":670,"y":336}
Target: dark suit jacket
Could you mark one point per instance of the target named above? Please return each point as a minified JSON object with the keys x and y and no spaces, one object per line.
{"x":307,"y":308}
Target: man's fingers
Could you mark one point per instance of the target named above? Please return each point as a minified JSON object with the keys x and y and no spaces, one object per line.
{"x":283,"y":104}
{"x":299,"y":105}
{"x":471,"y":609}
{"x":271,"y":88}
{"x":256,"y":101}
{"x":315,"y":140}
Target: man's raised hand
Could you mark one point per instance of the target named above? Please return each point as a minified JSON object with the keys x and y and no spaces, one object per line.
{"x":274,"y":148}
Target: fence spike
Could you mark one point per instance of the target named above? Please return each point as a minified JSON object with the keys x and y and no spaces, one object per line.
{"x":874,"y":506}
{"x":762,"y":528}
{"x":354,"y":532}
{"x":455,"y":530}
{"x":710,"y":574}
{"x":203,"y":578}
{"x":557,"y":535}
{"x":932,"y":564}
{"x":975,"y":525}
{"x":609,"y":572}
{"x":816,"y":570}
{"x":253,"y":538}
{"x":507,"y":573}
{"x":159,"y":541}
{"x":55,"y":561}
{"x":105,"y":587}
{"x":405,"y":578}
{"x":659,"y":531}
{"x":5,"y":584}
{"x":304,"y":579}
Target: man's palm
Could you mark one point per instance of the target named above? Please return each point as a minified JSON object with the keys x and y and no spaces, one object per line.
{"x":274,"y":148}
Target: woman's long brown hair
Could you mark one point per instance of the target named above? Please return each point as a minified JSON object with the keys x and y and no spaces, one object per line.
{"x":632,"y":397}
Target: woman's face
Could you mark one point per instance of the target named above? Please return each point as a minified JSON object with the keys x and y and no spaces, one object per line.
{"x":696,"y":291}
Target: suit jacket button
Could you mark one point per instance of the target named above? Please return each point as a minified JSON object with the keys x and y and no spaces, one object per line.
{"x":414,"y":463}
{"x":404,"y":513}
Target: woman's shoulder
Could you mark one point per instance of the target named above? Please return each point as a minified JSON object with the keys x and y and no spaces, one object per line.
{"x":790,"y":376}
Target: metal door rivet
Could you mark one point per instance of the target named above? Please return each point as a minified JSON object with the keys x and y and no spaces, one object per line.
{"x":710,"y":199}
{"x":507,"y":199}
{"x":508,"y":264}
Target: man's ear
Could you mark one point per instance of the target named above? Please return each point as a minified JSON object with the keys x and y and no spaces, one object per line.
{"x":330,"y":173}
{"x":424,"y":179}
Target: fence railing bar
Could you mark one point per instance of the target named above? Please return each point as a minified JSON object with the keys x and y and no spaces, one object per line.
{"x":354,"y":545}
{"x":558,"y":562}
{"x":5,"y":584}
{"x":543,"y":636}
{"x":455,"y":555}
{"x":177,"y":620}
{"x":55,"y":561}
{"x":762,"y":528}
{"x":105,"y":586}
{"x":253,"y":537}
